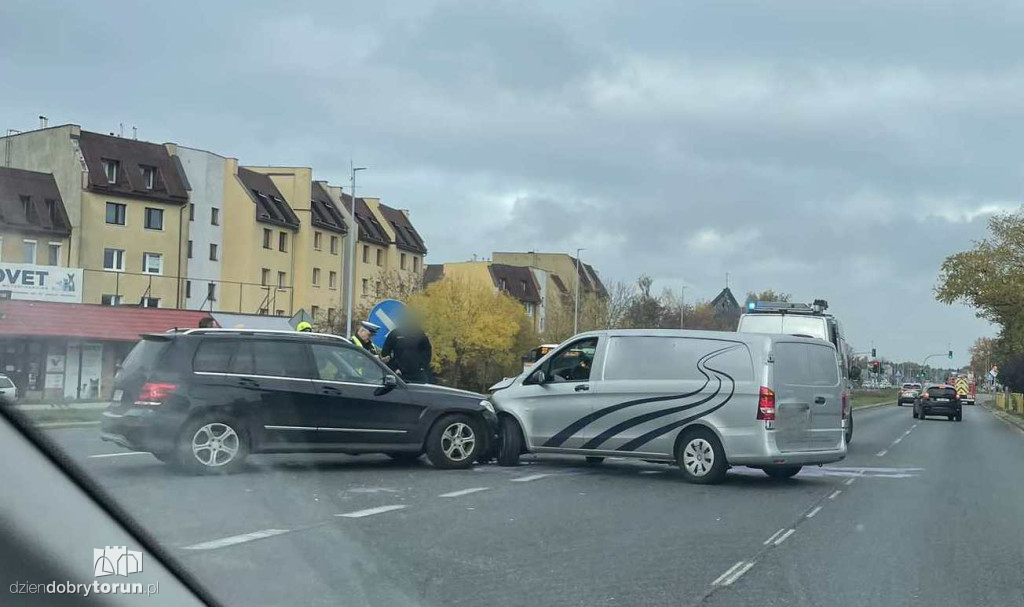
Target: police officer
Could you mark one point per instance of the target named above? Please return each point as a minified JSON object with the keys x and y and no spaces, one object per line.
{"x":364,"y":333}
{"x":407,"y":350}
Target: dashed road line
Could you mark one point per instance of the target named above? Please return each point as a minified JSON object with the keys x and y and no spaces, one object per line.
{"x":835,"y":494}
{"x":897,"y":441}
{"x":882,"y":453}
{"x":371,"y":511}
{"x":236,"y":539}
{"x":737,"y":574}
{"x":526,"y":479}
{"x":816,"y":510}
{"x":784,"y":536}
{"x":850,"y":481}
{"x":728,"y":572}
{"x":120,"y":454}
{"x":774,"y":535}
{"x":652,"y":472}
{"x":462,"y":492}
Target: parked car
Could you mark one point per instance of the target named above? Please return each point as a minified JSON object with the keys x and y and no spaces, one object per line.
{"x":704,"y":400}
{"x":206,"y":398}
{"x":938,"y":399}
{"x":8,"y":390}
{"x":908,"y":393}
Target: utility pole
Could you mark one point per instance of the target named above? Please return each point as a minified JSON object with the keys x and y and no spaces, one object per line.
{"x":576,"y":308}
{"x":682,"y":308}
{"x":353,"y":235}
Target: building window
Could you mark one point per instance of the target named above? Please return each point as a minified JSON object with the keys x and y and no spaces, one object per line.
{"x":190,"y":249}
{"x":154,"y":219}
{"x":53,"y":254}
{"x":113,"y":259}
{"x":263,"y":311}
{"x":282,"y":242}
{"x":380,"y":257}
{"x":116,"y":213}
{"x":150,"y":302}
{"x":29,"y":209}
{"x":529,"y":308}
{"x":148,"y":177}
{"x":282,"y":280}
{"x":215,"y":216}
{"x":415,"y":264}
{"x":28,"y":254}
{"x":51,"y":211}
{"x":402,"y":261}
{"x":211,"y":291}
{"x":265,"y":277}
{"x":317,"y":237}
{"x":188,"y":288}
{"x":110,"y":300}
{"x":366,"y":254}
{"x":376,"y":289}
{"x":366,"y":286}
{"x":111,"y":169}
{"x":316,"y":277}
{"x":334,"y":245}
{"x":315,"y":311}
{"x":213,"y":252}
{"x":152,"y":263}
{"x":191,"y":211}
{"x":267,"y":236}
{"x":332,"y":280}
{"x":279,"y":312}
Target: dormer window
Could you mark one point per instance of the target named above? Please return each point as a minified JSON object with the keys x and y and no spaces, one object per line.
{"x":110,"y":169}
{"x":148,"y":177}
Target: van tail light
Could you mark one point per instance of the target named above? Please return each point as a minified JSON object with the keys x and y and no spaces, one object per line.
{"x":766,"y":404}
{"x":846,"y":405}
{"x":154,"y":393}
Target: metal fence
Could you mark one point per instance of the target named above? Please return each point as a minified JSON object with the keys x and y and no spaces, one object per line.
{"x":1010,"y":401}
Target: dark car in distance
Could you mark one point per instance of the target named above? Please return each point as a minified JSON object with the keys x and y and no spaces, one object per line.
{"x":938,"y":399}
{"x":206,"y":398}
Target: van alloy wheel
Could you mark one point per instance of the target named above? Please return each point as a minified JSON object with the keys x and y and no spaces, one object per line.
{"x":215,"y":444}
{"x":698,"y":457}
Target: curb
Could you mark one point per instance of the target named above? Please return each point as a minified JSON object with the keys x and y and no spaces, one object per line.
{"x":1005,"y":418}
{"x":52,"y":425}
{"x":874,"y":405}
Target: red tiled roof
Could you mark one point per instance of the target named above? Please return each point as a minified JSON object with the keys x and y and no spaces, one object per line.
{"x":90,"y":321}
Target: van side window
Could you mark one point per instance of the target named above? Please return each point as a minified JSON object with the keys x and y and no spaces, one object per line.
{"x":805,"y":365}
{"x":214,"y":355}
{"x":674,"y":358}
{"x":574,"y":363}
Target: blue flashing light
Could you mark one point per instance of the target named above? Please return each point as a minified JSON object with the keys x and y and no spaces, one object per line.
{"x":751,"y":305}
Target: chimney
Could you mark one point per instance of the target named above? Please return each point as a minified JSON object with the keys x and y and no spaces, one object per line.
{"x":135,"y":133}
{"x":42,"y":121}
{"x":120,"y":129}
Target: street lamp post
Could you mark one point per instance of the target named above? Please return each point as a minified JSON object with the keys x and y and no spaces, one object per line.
{"x":576,"y":308}
{"x":353,"y":235}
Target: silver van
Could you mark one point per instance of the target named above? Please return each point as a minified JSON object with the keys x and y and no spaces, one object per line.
{"x":706,"y":400}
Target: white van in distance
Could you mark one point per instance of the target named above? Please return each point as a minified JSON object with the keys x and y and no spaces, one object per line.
{"x":705,"y":400}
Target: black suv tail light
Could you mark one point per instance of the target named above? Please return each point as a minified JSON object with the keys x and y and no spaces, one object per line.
{"x":154,"y":393}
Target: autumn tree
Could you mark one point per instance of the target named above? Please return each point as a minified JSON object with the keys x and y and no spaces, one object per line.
{"x":768,"y":295}
{"x":982,"y":353}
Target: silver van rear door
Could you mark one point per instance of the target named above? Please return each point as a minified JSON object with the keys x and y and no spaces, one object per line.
{"x":805,"y":377}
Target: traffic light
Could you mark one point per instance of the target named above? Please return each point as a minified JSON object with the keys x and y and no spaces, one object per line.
{"x":876,"y":366}
{"x":873,"y":354}
{"x":950,"y":355}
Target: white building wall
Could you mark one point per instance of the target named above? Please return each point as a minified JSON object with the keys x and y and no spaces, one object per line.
{"x":205,"y":172}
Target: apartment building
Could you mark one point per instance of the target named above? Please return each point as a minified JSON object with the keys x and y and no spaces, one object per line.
{"x":34,"y":225}
{"x":562,"y":266}
{"x":125,"y":202}
{"x":530,"y":286}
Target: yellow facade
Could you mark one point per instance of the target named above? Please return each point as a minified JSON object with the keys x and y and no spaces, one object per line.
{"x":378,"y":263}
{"x":130,"y":280}
{"x":12,"y":247}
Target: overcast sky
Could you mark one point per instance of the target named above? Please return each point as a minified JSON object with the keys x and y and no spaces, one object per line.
{"x":814,"y":148}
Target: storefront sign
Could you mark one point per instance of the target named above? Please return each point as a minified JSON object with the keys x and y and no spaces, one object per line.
{"x":41,"y":283}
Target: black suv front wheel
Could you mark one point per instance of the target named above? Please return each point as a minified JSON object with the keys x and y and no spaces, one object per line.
{"x":215,"y":444}
{"x":454,"y":442}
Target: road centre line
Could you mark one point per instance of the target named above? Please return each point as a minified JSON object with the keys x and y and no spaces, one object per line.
{"x":728,"y":572}
{"x":897,"y":441}
{"x":850,"y":481}
{"x":882,"y":453}
{"x":784,"y":536}
{"x":464,"y":492}
{"x":737,"y":574}
{"x":526,"y":479}
{"x":816,"y":510}
{"x":236,"y":539}
{"x":371,"y":511}
{"x":774,"y":535}
{"x":119,"y":454}
{"x":835,"y":494}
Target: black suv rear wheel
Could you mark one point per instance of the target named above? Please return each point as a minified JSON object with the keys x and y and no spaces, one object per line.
{"x":213,"y":444}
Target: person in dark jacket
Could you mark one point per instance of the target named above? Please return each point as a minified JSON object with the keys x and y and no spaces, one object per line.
{"x":407,"y":350}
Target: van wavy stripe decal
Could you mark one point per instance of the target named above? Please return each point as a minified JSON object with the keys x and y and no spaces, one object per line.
{"x":653,"y":434}
{"x":576,"y":426}
{"x":646,"y":417}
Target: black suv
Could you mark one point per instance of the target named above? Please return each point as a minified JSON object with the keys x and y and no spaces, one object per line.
{"x":206,"y":398}
{"x":938,"y":399}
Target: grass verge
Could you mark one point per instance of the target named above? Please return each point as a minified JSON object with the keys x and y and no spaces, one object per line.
{"x":862,"y":398}
{"x":50,"y":416}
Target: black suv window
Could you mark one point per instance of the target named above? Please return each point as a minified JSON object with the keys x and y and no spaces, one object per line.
{"x":280,"y":358}
{"x":214,"y":355}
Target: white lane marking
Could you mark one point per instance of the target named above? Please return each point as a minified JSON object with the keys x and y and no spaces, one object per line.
{"x":774,"y":535}
{"x":784,"y":536}
{"x":897,"y":441}
{"x":526,"y":479}
{"x":236,"y":539}
{"x":371,"y":511}
{"x":729,"y":572}
{"x":835,"y":494}
{"x":735,"y":576}
{"x":464,"y":492}
{"x":850,"y":481}
{"x":882,"y":453}
{"x":816,"y":510}
{"x":907,"y":433}
{"x":120,"y":454}
{"x":652,"y":472}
